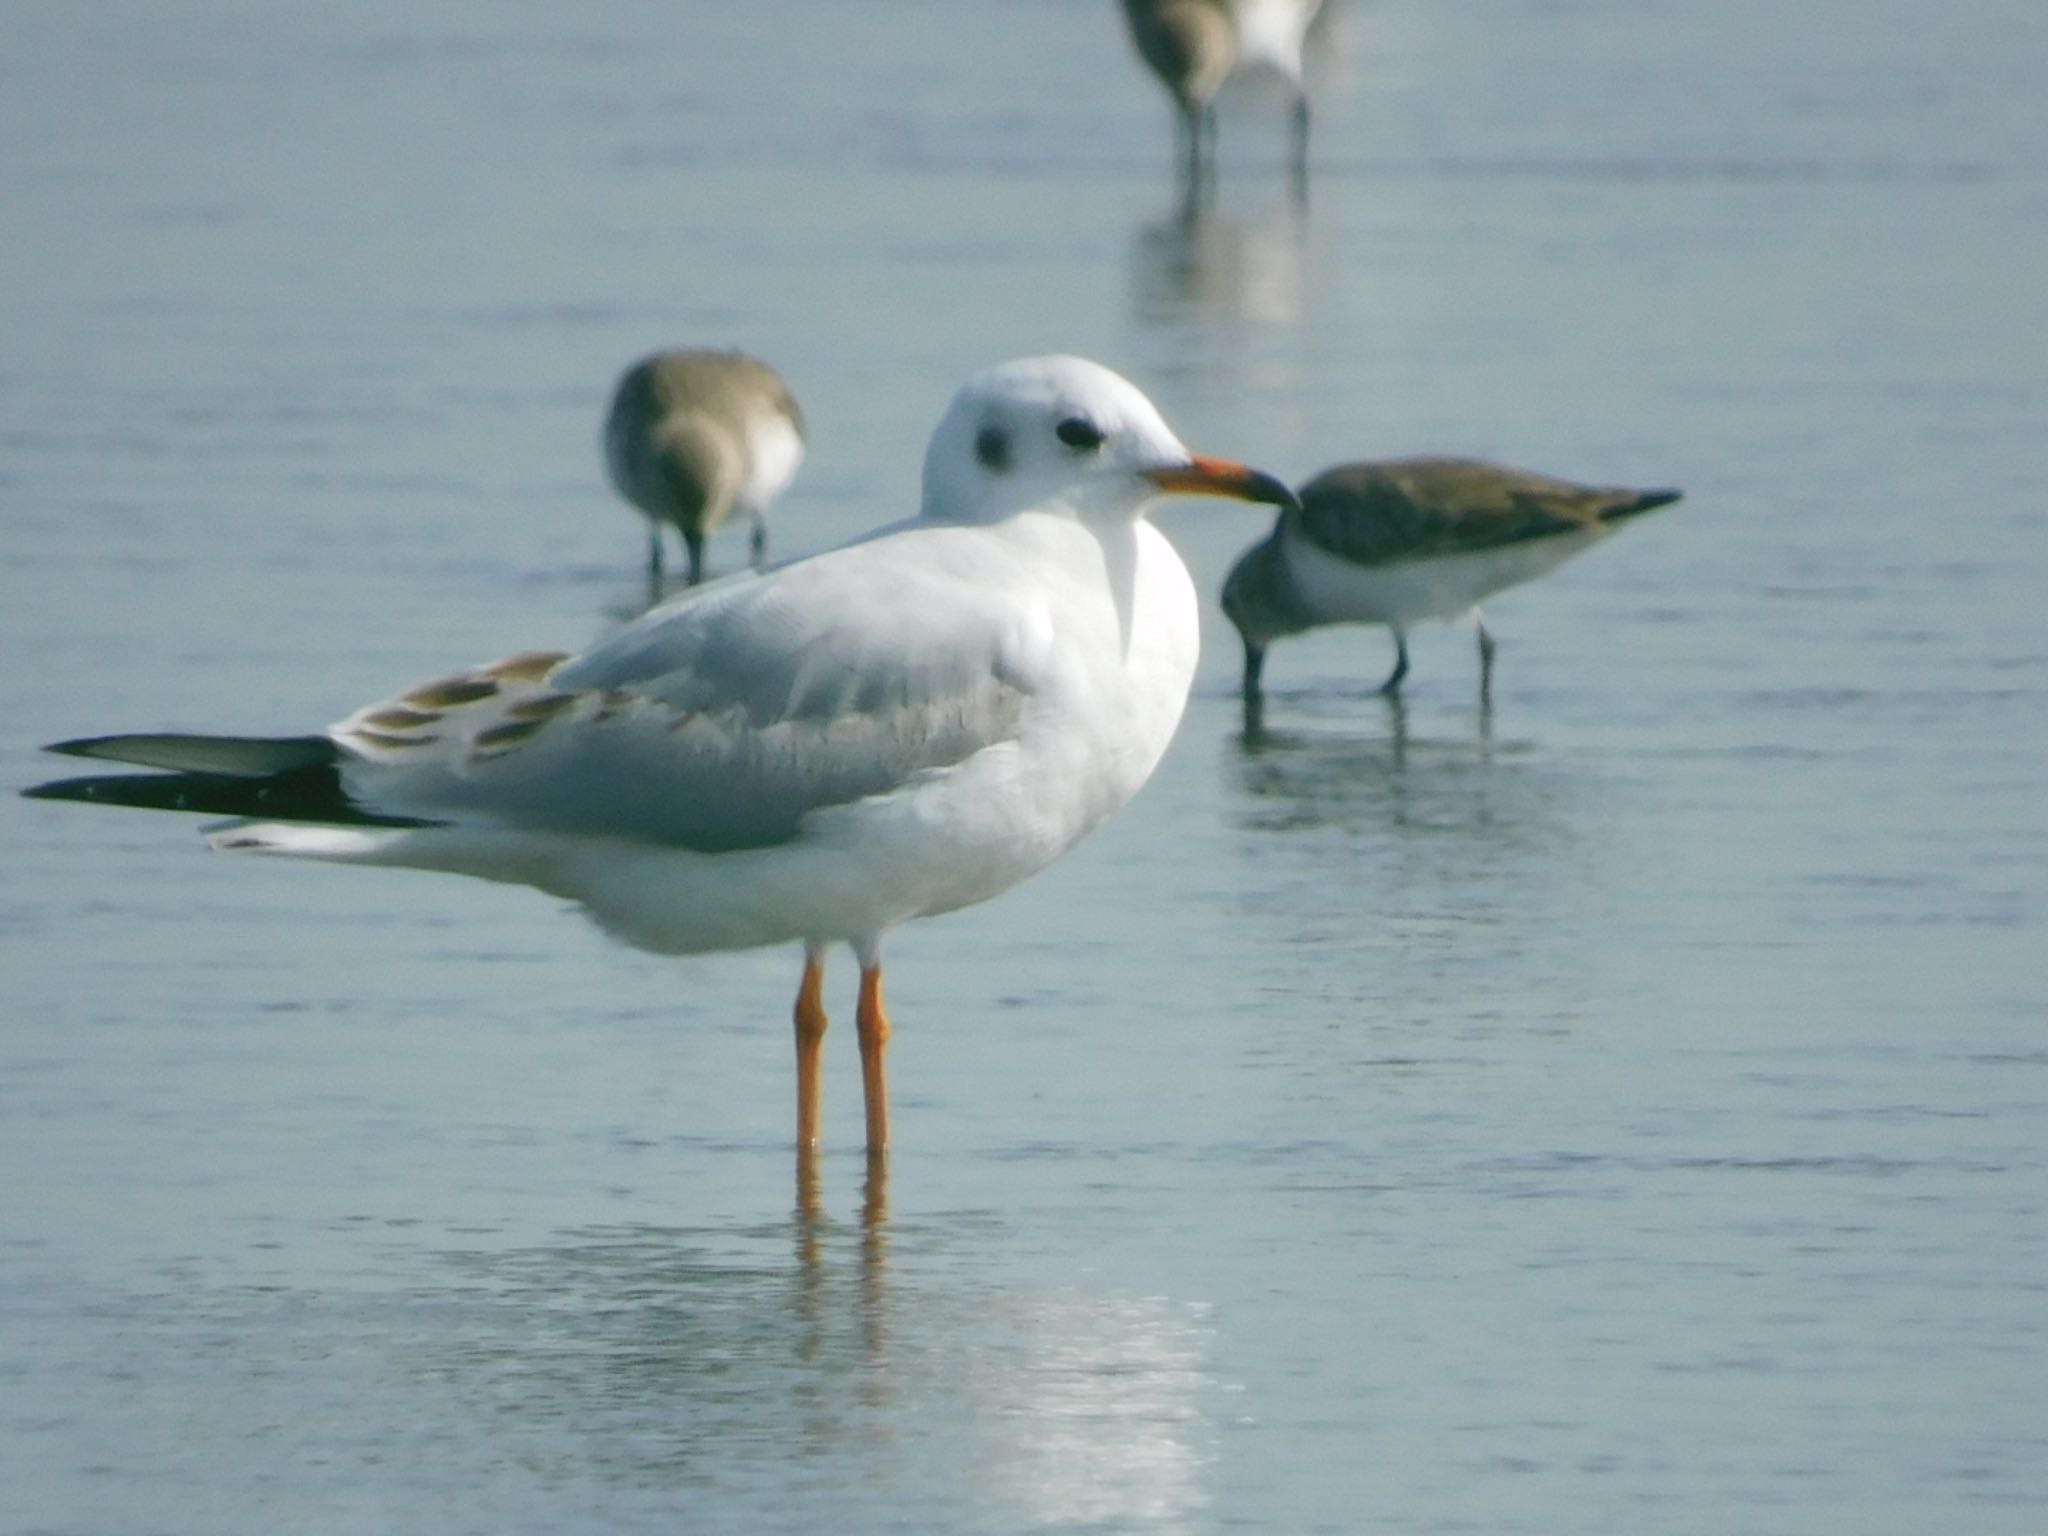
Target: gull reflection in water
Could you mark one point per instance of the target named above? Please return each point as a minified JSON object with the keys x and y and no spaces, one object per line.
{"x":675,"y":1358}
{"x":1221,"y":302}
{"x":1092,"y":1408}
{"x":822,"y":1366}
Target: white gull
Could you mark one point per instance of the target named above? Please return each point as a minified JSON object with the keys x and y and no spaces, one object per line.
{"x":902,"y":726}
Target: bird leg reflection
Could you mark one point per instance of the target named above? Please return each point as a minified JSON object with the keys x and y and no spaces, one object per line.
{"x":1397,"y":722}
{"x":873,"y":1026}
{"x":874,"y":1199}
{"x":810,"y":1044}
{"x":1299,"y":147}
{"x":810,"y":1200}
{"x":1188,"y":143}
{"x":810,"y":1203}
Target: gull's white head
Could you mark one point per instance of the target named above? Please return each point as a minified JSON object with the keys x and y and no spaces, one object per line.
{"x":1064,"y":435}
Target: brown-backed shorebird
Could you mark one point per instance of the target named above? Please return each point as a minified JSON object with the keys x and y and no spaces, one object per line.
{"x":1398,"y":541}
{"x":694,"y":436}
{"x":1193,"y":46}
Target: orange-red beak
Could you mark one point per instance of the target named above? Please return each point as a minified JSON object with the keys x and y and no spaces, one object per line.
{"x":1220,"y":477}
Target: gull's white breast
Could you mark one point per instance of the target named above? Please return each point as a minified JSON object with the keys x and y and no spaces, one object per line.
{"x":1099,"y":717}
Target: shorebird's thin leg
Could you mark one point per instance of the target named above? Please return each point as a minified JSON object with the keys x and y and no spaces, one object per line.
{"x":1187,"y":143}
{"x":693,"y":541}
{"x":873,"y":1026}
{"x":1254,"y":701}
{"x":759,"y":543}
{"x":1393,"y":682}
{"x":1485,"y":662}
{"x":654,"y":558}
{"x":810,"y":1043}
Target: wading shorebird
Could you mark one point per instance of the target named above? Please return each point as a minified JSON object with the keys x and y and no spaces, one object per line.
{"x":695,"y":436}
{"x":1193,"y":46}
{"x":1398,"y":541}
{"x":905,"y":725}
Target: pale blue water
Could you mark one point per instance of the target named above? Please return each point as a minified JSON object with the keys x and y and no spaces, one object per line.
{"x":1624,"y":1114}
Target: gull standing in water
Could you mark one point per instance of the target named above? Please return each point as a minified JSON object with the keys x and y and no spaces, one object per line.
{"x":905,"y":725}
{"x":694,"y":436}
{"x":1398,"y":541}
{"x":1193,"y":46}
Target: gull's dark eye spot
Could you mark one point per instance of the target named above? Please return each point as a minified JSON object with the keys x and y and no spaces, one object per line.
{"x":992,"y":447}
{"x":1079,"y":432}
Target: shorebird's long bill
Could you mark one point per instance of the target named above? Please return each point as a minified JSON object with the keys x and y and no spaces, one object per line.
{"x":1220,"y":477}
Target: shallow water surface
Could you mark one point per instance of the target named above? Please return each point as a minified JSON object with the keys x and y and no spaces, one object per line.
{"x":1620,"y":1110}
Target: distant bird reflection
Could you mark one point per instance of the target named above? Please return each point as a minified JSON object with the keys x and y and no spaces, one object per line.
{"x":1198,"y":264}
{"x":1255,"y":738}
{"x":1461,"y":795}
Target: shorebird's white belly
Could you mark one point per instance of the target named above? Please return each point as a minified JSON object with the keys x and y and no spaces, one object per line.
{"x":774,"y":453}
{"x":1270,"y":33}
{"x":1409,"y":591}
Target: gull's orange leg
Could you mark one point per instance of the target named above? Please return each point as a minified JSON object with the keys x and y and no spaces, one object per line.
{"x":873,"y":1026}
{"x":810,"y":1047}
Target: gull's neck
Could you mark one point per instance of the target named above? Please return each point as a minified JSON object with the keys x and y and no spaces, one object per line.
{"x":1119,"y":541}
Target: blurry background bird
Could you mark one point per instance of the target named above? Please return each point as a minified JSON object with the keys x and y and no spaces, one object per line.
{"x":1193,"y":46}
{"x":694,"y":436}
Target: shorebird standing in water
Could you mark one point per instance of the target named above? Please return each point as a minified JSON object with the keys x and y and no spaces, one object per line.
{"x":1193,"y":46}
{"x":695,"y":436}
{"x":1398,"y":541}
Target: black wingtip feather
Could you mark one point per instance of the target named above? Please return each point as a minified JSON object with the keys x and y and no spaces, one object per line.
{"x":303,"y":794}
{"x":84,"y":746}
{"x":233,"y":756}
